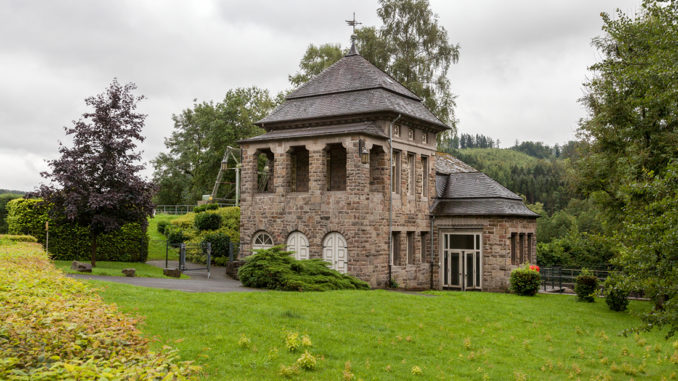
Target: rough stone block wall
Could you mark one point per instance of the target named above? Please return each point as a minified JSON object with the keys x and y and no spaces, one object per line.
{"x":496,"y":245}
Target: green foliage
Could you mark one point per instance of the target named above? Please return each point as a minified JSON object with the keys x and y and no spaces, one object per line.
{"x":162,"y":226}
{"x":649,"y":244}
{"x":576,"y":250}
{"x":230,"y":227}
{"x":4,"y":199}
{"x":586,"y":286}
{"x":176,"y":237}
{"x":539,"y":180}
{"x":56,"y":328}
{"x":524,"y":281}
{"x":276,"y":269}
{"x":616,"y":293}
{"x":633,"y":108}
{"x":17,"y":238}
{"x":195,"y":149}
{"x":315,"y":60}
{"x":220,"y":243}
{"x":207,"y":221}
{"x":68,"y":241}
{"x":204,"y":207}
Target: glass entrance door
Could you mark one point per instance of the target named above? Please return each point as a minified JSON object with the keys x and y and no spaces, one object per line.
{"x":462,"y":261}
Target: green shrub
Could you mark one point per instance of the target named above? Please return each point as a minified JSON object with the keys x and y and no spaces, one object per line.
{"x":276,"y":269}
{"x":176,"y":237}
{"x":207,"y":221}
{"x":585,"y":286}
{"x":57,"y":328}
{"x":68,"y":241}
{"x":220,"y":244}
{"x":525,"y":281}
{"x":616,"y":294}
{"x":162,"y":226}
{"x":205,"y":207}
{"x":18,"y":238}
{"x":4,"y":199}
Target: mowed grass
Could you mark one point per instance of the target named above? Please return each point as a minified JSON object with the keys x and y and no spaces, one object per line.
{"x":382,"y":335}
{"x":156,"y":244}
{"x":115,"y":269}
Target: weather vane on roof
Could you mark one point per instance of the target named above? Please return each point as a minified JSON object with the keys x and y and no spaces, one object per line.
{"x":353,"y":23}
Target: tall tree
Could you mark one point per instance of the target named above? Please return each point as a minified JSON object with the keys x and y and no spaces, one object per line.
{"x":410,"y":45}
{"x":632,"y":101}
{"x":201,"y":134}
{"x":632,"y":139}
{"x":95,"y":183}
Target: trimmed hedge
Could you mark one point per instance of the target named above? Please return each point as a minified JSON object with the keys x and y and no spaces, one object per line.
{"x":276,"y":269}
{"x":57,"y":328}
{"x":4,"y":199}
{"x":162,"y":226}
{"x":186,"y":226}
{"x":18,"y":238}
{"x":67,"y":241}
{"x":525,"y":281}
{"x":205,"y":207}
{"x":207,"y":221}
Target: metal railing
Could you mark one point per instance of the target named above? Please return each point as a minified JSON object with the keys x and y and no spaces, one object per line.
{"x":174,"y":209}
{"x":557,"y":278}
{"x":206,"y":249}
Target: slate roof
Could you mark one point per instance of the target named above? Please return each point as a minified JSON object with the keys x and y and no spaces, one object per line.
{"x":350,"y":86}
{"x":464,"y":191}
{"x":367,"y":128}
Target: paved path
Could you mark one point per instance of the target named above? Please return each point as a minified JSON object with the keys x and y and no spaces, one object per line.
{"x":218,"y":282}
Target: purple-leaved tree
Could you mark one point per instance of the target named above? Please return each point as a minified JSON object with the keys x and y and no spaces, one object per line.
{"x":95,"y":183}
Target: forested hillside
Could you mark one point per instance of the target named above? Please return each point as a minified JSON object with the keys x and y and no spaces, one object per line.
{"x":539,"y":180}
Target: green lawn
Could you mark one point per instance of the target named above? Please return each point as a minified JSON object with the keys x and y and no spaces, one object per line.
{"x":156,"y":246}
{"x":381,"y":335}
{"x":115,"y":269}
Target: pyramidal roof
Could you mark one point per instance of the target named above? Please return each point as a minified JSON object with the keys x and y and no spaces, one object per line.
{"x":350,"y":86}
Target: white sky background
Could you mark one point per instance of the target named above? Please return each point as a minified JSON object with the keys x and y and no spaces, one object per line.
{"x":519,"y":76}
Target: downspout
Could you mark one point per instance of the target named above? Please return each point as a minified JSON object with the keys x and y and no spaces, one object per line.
{"x":432,"y":219}
{"x":390,"y":201}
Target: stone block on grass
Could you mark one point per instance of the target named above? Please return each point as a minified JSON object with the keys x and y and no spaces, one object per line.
{"x":130,"y":272}
{"x":176,"y":273}
{"x":81,"y":267}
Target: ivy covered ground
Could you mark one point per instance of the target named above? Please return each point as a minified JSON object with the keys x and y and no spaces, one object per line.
{"x":383,"y":335}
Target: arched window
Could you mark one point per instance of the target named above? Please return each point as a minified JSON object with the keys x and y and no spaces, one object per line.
{"x":335,"y":252}
{"x":298,"y":243}
{"x":262,"y":240}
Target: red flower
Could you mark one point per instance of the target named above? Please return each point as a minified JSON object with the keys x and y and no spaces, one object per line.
{"x":534,"y":267}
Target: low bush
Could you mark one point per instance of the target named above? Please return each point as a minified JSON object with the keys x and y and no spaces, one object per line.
{"x":616,"y":293}
{"x":205,"y":207}
{"x":162,"y":226}
{"x":176,"y":237}
{"x":57,"y":328}
{"x":207,"y":221}
{"x":230,"y":226}
{"x":585,"y":286}
{"x":4,"y":199}
{"x":197,"y":252}
{"x":276,"y":269}
{"x":525,"y":281}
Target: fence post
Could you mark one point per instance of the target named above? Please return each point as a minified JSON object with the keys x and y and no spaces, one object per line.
{"x":230,"y":251}
{"x":166,"y":252}
{"x":182,"y":257}
{"x":209,"y":259}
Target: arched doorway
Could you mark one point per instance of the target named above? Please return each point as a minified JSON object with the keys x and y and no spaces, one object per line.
{"x":335,"y":252}
{"x":298,"y":243}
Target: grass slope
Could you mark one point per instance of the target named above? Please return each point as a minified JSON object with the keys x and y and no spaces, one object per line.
{"x":156,"y":244}
{"x":383,"y":335}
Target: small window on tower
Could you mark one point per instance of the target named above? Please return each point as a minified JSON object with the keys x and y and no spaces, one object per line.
{"x":410,"y":133}
{"x":396,"y":130}
{"x":424,"y":137}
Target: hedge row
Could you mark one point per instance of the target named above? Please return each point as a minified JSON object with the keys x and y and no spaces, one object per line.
{"x":187,"y":228}
{"x":56,"y":328}
{"x":68,"y":241}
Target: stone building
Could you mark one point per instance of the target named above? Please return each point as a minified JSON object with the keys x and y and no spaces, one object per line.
{"x":319,"y":182}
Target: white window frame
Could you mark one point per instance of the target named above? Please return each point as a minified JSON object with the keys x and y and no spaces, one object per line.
{"x":262,"y":240}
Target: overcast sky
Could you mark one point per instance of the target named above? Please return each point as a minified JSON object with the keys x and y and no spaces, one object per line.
{"x":519,"y":75}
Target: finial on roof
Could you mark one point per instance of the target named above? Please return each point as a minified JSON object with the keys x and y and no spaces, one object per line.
{"x":353,"y":23}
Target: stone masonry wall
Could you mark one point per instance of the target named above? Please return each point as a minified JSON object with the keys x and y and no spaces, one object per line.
{"x":496,"y":245}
